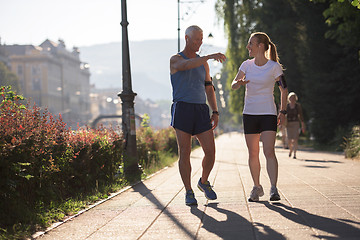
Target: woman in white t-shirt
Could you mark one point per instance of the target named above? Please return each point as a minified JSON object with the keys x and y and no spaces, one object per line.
{"x":260,"y":117}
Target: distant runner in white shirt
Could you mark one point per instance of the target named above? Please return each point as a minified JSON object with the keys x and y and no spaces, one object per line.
{"x":259,"y":74}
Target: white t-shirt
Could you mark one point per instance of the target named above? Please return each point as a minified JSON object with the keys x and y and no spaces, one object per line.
{"x":259,"y":94}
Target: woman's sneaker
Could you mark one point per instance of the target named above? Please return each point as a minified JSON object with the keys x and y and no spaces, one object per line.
{"x":274,"y":194}
{"x":256,"y":192}
{"x":190,"y":198}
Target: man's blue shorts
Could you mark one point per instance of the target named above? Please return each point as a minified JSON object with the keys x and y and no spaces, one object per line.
{"x":191,"y":118}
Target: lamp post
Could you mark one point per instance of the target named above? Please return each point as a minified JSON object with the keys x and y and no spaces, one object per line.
{"x":127,"y":96}
{"x":178,"y":29}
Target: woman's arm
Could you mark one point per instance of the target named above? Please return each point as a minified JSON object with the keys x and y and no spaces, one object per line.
{"x":239,"y":80}
{"x":301,"y":117}
{"x":283,"y":101}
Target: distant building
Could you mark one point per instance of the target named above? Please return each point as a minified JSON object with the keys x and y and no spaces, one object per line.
{"x":53,"y":77}
{"x":3,"y":56}
{"x":105,"y":102}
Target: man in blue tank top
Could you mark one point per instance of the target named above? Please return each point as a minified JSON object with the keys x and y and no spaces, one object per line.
{"x":192,"y":85}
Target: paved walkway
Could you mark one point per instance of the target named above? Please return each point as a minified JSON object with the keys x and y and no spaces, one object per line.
{"x":320,"y":200}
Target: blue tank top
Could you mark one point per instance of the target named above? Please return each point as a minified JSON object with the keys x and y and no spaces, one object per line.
{"x":189,"y":86}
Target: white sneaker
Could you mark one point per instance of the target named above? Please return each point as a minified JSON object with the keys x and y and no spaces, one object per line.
{"x":256,"y":192}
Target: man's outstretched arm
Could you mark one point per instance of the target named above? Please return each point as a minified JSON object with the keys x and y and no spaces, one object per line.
{"x":178,"y":63}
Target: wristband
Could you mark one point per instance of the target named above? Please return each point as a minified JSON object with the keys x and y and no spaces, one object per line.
{"x":210,"y":83}
{"x":216,"y":112}
{"x":283,"y":112}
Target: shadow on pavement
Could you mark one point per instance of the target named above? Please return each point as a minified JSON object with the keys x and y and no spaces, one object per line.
{"x":332,"y":226}
{"x":233,"y":163}
{"x":317,"y":161}
{"x":146,"y":192}
{"x":312,"y":166}
{"x":235,"y":226}
{"x":322,"y":161}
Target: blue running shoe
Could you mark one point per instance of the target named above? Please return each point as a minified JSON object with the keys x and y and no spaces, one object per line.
{"x":190,"y":198}
{"x":207,"y":189}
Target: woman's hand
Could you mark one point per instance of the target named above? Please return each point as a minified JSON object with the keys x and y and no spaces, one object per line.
{"x":242,"y":82}
{"x":303,"y":129}
{"x":281,"y":119}
{"x":239,"y":80}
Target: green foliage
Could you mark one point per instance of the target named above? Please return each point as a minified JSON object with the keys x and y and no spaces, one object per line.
{"x":145,"y":120}
{"x":151,"y":143}
{"x":7,"y":78}
{"x":344,"y":22}
{"x":49,"y":171}
{"x":352,"y":144}
{"x":43,"y":162}
{"x":238,"y":28}
{"x":333,"y":70}
{"x":319,"y":46}
{"x":355,"y":3}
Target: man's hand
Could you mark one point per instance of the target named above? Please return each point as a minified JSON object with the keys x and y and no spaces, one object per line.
{"x":217,"y":56}
{"x":214,"y":120}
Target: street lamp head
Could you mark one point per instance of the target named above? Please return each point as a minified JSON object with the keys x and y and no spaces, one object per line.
{"x":218,"y":76}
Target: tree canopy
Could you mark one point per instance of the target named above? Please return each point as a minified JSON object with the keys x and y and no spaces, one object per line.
{"x":318,"y":43}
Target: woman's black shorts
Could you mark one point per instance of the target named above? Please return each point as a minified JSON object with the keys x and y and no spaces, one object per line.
{"x":259,"y":123}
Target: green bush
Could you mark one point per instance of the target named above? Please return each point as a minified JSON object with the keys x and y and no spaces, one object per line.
{"x":49,"y":171}
{"x":42,"y":161}
{"x":151,"y":143}
{"x":352,"y":145}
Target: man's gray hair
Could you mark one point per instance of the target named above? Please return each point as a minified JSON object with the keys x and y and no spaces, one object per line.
{"x":192,"y":28}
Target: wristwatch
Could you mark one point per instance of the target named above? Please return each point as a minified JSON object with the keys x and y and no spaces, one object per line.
{"x":215,"y":112}
{"x":283,"y":112}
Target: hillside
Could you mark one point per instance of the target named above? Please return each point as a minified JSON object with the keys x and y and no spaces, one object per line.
{"x":149,"y":63}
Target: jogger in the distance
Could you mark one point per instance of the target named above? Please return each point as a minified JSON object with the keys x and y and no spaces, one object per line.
{"x":260,"y":117}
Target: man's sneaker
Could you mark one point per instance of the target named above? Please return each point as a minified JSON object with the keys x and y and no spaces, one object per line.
{"x":274,"y":195}
{"x":207,"y":189}
{"x":256,"y":192}
{"x":190,"y":198}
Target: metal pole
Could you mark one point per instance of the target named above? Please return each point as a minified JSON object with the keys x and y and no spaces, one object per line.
{"x":202,"y":1}
{"x":127,"y":96}
{"x":178,"y":26}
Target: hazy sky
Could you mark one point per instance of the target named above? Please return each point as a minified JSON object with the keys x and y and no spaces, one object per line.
{"x":87,"y":22}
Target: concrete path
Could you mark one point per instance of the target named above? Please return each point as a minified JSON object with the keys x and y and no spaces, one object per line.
{"x":320,"y":200}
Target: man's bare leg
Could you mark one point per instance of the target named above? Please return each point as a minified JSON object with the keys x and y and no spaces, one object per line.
{"x":207,"y":142}
{"x":184,"y":145}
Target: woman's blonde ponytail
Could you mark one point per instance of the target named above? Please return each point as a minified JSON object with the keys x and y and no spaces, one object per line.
{"x":264,"y":39}
{"x":273,"y":52}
